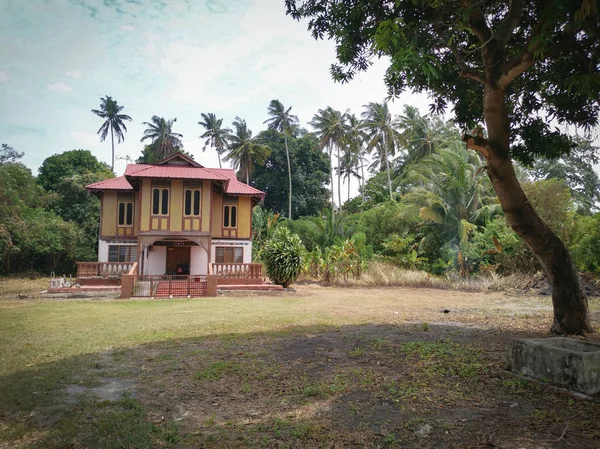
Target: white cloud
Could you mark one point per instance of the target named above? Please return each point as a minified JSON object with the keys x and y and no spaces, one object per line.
{"x":61,"y":87}
{"x":152,"y":37}
{"x":87,"y":139}
{"x":73,"y":73}
{"x":3,"y":77}
{"x":127,"y":27}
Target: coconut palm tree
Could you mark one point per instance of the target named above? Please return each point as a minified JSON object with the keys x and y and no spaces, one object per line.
{"x":244,"y":151}
{"x":163,"y":140}
{"x":422,"y":134}
{"x":449,"y":192}
{"x":355,"y":139}
{"x":383,"y":135}
{"x":348,"y":166}
{"x":215,"y":135}
{"x":110,"y":110}
{"x":283,"y":121}
{"x":330,"y":127}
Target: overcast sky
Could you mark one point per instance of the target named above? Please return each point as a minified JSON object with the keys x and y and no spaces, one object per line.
{"x":172,"y":58}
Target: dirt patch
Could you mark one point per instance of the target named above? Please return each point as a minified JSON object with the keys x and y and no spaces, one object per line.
{"x":111,"y":390}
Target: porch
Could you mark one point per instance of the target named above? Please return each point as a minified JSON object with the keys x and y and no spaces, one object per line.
{"x":237,"y":273}
{"x":221,"y":276}
{"x":102,"y":273}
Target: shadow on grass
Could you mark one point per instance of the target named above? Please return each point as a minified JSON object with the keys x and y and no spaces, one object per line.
{"x":404,"y":385}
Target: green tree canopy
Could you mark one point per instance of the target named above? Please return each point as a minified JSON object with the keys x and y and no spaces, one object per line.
{"x":32,"y":237}
{"x":514,"y":65}
{"x":575,"y":169}
{"x":70,"y":163}
{"x":310,"y":174}
{"x":9,"y":154}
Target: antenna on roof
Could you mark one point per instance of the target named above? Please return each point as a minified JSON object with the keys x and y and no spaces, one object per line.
{"x":125,"y":158}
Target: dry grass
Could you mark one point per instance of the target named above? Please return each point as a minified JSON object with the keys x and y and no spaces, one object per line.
{"x":12,"y":287}
{"x":321,"y":367}
{"x":385,"y":275}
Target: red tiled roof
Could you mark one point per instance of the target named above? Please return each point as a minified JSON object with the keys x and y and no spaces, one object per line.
{"x":119,"y":183}
{"x":235,"y":187}
{"x":133,"y":168}
{"x":172,"y":171}
{"x":227,"y":175}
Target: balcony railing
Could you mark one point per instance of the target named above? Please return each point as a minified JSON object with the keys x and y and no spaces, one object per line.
{"x":237,"y":273}
{"x":103,"y":269}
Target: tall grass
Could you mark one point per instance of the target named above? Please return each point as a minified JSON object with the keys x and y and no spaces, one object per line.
{"x":380,"y":274}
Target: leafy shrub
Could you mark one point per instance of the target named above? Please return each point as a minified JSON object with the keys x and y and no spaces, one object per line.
{"x":586,"y":243}
{"x":283,"y":256}
{"x":386,"y":219}
{"x":342,"y":260}
{"x":308,"y":231}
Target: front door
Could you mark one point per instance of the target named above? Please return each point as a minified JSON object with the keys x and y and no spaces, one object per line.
{"x":178,"y":260}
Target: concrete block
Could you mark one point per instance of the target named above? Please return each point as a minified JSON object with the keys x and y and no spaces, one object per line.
{"x":559,"y":360}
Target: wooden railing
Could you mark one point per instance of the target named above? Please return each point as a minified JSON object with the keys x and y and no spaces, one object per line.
{"x":104,"y":269}
{"x":242,"y":271}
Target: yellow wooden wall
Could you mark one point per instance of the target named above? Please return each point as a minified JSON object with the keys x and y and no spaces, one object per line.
{"x":146,"y":189}
{"x":244,"y":214}
{"x":211,"y":218}
{"x":217,"y":215}
{"x":109,"y":213}
{"x":176,"y":206}
{"x":206,"y":205}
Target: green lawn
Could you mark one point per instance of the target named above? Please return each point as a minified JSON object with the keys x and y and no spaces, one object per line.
{"x":322,"y":367}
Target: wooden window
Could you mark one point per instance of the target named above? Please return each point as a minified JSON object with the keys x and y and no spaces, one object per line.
{"x":122,"y":253}
{"x":192,"y":202}
{"x":229,"y":216}
{"x":125,"y":213}
{"x":229,"y":254}
{"x":160,"y":201}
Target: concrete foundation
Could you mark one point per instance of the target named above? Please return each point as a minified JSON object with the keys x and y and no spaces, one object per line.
{"x":563,"y":361}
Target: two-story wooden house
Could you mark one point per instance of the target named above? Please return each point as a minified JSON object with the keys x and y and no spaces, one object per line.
{"x":175,"y":217}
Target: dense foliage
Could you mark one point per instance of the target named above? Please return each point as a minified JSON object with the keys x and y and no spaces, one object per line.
{"x":41,"y":230}
{"x":309,"y":174}
{"x":283,"y":256}
{"x":444,"y":217}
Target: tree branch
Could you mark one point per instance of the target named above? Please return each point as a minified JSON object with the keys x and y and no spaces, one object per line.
{"x":510,"y":22}
{"x":491,"y":53}
{"x":522,"y":62}
{"x":466,"y":71}
{"x":477,"y":143}
{"x":477,"y":22}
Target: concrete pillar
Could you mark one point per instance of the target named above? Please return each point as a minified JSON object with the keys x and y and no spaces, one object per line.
{"x":127,"y":281}
{"x":211,"y":285}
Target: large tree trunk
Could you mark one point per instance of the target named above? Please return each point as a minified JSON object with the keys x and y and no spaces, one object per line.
{"x":571,"y":313}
